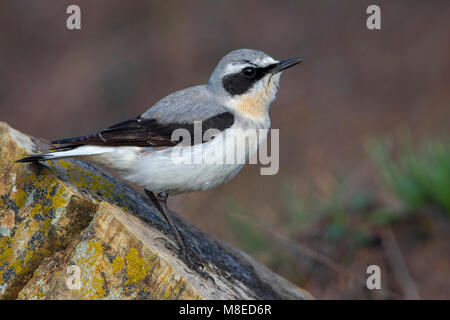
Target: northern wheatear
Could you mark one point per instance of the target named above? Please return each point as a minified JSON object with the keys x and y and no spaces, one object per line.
{"x":236,"y":99}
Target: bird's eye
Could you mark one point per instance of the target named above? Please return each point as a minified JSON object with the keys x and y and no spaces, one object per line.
{"x":249,"y":72}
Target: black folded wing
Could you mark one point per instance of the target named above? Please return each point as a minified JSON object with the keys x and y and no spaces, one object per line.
{"x":142,"y":132}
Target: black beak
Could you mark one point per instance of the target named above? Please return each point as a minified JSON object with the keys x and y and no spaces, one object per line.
{"x":284,"y":64}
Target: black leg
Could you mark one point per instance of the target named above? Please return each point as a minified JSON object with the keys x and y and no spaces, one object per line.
{"x":160,"y":202}
{"x":187,"y":254}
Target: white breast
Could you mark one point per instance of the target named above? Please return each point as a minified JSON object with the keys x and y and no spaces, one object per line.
{"x":200,"y":167}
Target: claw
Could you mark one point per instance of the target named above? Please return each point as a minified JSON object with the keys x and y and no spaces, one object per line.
{"x":195,"y":263}
{"x":190,"y":258}
{"x":169,"y":246}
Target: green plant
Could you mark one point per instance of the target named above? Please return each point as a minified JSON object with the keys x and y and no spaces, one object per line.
{"x":418,"y":176}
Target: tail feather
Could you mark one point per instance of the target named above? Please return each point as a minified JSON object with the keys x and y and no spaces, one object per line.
{"x":55,"y":153}
{"x":32,"y":158}
{"x":65,"y":152}
{"x":45,"y":156}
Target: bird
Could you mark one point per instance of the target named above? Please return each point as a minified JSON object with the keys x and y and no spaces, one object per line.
{"x":145,"y":149}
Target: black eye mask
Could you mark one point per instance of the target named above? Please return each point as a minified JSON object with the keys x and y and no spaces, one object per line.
{"x":239,"y":83}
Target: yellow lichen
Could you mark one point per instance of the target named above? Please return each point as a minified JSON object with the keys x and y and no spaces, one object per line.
{"x":40,"y":295}
{"x":91,"y":263}
{"x":97,"y":285}
{"x":166,"y":294}
{"x":21,"y":198}
{"x":85,"y":179}
{"x":118,"y":264}
{"x":6,"y":257}
{"x":136,"y":267}
{"x":46,"y":182}
{"x":36,"y":209}
{"x":59,"y":199}
{"x":5,"y":250}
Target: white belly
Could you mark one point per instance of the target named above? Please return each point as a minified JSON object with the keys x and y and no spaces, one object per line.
{"x":200,"y":167}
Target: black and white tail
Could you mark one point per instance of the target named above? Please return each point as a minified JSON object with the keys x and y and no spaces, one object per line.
{"x":64,"y":152}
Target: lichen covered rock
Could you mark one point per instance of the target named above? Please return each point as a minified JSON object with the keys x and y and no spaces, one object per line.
{"x":116,"y":257}
{"x":69,"y":230}
{"x":39,"y":214}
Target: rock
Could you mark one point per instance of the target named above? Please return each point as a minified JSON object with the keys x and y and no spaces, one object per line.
{"x":69,"y":230}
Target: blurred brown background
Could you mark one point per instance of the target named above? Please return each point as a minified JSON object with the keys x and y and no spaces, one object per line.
{"x":355,"y":84}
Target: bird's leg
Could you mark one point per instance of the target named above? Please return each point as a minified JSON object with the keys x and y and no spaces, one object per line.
{"x":188,"y":255}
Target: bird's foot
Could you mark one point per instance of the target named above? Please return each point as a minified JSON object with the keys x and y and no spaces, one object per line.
{"x":189,"y":257}
{"x":169,"y":246}
{"x":195,"y":263}
{"x":192,"y":260}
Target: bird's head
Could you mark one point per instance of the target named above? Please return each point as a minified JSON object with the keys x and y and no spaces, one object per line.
{"x":248,"y":80}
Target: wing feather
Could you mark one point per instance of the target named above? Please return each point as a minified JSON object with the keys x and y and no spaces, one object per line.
{"x":144,"y":132}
